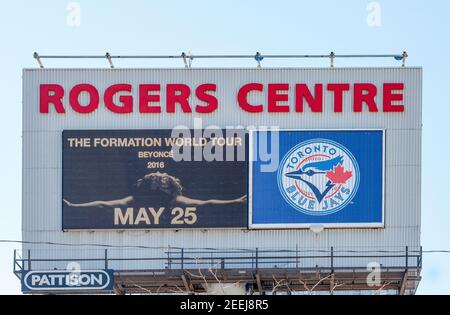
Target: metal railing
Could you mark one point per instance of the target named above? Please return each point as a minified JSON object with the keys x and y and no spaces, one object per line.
{"x":255,"y":259}
{"x":258,"y":57}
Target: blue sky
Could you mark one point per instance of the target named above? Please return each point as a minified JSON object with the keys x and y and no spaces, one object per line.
{"x":232,"y":27}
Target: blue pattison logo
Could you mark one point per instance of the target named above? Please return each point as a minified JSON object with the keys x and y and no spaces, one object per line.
{"x":318,"y":177}
{"x":56,"y":280}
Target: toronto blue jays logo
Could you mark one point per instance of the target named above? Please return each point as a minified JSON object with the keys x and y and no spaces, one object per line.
{"x":318,"y":177}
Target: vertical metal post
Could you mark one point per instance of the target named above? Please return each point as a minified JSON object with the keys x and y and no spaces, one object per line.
{"x":256,"y":256}
{"x":29,"y":259}
{"x":419,"y":259}
{"x":406,"y":257}
{"x":106,"y":258}
{"x":183,"y":55}
{"x":108,"y":57}
{"x":332,"y":56}
{"x":253,"y":262}
{"x":296,"y":256}
{"x":182,"y":258}
{"x":258,"y":59}
{"x":190,"y":59}
{"x":404,"y":56}
{"x":38,"y":59}
{"x":14,"y":262}
{"x":332,"y":259}
{"x":222,"y":263}
{"x":169,"y":263}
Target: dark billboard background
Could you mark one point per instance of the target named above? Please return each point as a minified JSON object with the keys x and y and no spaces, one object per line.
{"x":98,"y":174}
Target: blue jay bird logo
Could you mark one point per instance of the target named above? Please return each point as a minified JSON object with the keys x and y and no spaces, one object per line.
{"x":318,"y":177}
{"x":316,"y":168}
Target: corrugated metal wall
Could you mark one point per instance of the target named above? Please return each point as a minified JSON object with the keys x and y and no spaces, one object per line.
{"x":41,"y":213}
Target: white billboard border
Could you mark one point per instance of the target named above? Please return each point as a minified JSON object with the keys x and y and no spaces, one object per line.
{"x":286,"y":226}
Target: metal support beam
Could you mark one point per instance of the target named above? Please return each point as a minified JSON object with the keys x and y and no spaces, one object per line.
{"x":332,"y":56}
{"x":187,"y":284}
{"x":38,"y":59}
{"x":404,"y":283}
{"x":258,"y":283}
{"x":404,"y":56}
{"x":108,"y":56}
{"x":118,"y":290}
{"x":332,"y":283}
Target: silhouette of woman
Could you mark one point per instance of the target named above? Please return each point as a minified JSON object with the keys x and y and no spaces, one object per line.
{"x":156,"y":190}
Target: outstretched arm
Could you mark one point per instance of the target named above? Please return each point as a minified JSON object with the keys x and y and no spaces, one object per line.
{"x":186,"y":201}
{"x":100,"y":204}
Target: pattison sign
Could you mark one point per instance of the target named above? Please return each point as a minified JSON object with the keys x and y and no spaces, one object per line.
{"x":125,"y":98}
{"x":65,"y":280}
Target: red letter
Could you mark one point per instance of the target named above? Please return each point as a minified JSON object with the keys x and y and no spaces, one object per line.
{"x":338,"y":90}
{"x":314,"y":102}
{"x":274,"y":98}
{"x":389,"y":97}
{"x":145,"y":98}
{"x":126,"y":100}
{"x":210,"y":100}
{"x":242,"y":97}
{"x":181,"y":98}
{"x":368,"y":98}
{"x":45,"y":98}
{"x":93,"y":98}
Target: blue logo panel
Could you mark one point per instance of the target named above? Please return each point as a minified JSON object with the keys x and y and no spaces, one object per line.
{"x":333,"y":178}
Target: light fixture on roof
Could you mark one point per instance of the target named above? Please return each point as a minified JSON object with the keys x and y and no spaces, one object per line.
{"x":187,"y":59}
{"x":38,"y":59}
{"x":108,"y":56}
{"x":183,"y":55}
{"x":332,"y":56}
{"x":402,"y":58}
{"x":258,"y":58}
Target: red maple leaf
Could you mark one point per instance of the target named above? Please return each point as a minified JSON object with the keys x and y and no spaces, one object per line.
{"x":339,"y":176}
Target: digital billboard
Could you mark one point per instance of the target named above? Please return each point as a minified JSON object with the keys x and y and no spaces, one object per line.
{"x":330,"y":178}
{"x":146,"y":179}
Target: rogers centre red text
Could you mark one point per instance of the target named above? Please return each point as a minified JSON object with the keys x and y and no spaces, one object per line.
{"x":178,"y":98}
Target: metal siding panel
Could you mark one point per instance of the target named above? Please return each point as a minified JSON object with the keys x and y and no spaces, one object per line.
{"x":232,"y":80}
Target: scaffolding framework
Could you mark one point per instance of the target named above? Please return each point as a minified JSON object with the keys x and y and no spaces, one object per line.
{"x":189,"y":271}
